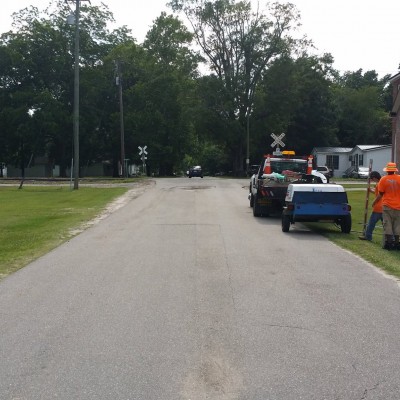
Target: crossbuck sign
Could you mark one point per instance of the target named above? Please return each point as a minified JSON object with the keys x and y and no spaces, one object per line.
{"x":277,"y":140}
{"x":143,"y":152}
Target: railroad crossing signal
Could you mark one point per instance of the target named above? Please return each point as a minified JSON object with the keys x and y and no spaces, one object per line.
{"x":277,"y":140}
{"x":142,"y":154}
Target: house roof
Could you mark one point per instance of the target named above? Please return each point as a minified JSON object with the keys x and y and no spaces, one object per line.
{"x":331,"y":149}
{"x":366,"y":147}
{"x":394,"y":77}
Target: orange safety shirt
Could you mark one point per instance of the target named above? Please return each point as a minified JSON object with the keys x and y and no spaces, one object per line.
{"x":378,"y":205}
{"x":389,"y":185}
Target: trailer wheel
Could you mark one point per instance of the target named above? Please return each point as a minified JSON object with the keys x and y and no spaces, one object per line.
{"x":285,"y":223}
{"x":256,"y":207}
{"x":345,"y":224}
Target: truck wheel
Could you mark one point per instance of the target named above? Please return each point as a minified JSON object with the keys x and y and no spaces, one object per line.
{"x":285,"y":223}
{"x":251,"y":200}
{"x":345,"y":224}
{"x":256,"y":207}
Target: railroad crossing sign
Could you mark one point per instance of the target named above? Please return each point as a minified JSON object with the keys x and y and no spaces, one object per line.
{"x":142,"y":153}
{"x":142,"y":150}
{"x":277,"y":140}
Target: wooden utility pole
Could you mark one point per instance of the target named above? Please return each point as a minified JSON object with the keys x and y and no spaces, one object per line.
{"x":76,"y":94}
{"x":121,"y":117}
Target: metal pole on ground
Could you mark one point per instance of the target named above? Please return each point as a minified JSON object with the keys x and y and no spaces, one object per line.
{"x":367,"y":195}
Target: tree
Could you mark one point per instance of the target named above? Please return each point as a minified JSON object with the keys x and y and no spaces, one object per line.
{"x":158,"y":86}
{"x":362,"y":109}
{"x":239,"y":45}
{"x":169,"y":41}
{"x":295,"y":98}
{"x":38,"y":70}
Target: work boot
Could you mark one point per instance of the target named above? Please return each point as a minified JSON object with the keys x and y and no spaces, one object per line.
{"x":389,"y":246}
{"x":364,"y":238}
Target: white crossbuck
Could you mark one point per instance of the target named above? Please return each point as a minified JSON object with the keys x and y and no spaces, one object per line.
{"x":277,"y":140}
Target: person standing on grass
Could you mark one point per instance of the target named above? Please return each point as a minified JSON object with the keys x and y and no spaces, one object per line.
{"x":389,"y":192}
{"x":376,"y":214}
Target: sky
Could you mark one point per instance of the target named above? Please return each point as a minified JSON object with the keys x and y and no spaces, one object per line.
{"x":359,"y":34}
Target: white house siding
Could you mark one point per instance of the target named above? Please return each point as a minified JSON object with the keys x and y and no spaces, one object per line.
{"x":380,"y":156}
{"x":321,"y":154}
{"x":358,"y":155}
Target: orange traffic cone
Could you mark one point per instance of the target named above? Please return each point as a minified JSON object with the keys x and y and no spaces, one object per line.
{"x":267,"y":168}
{"x":309,"y":165}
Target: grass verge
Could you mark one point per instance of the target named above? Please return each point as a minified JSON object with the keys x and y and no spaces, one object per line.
{"x":388,"y":261}
{"x":36,"y":219}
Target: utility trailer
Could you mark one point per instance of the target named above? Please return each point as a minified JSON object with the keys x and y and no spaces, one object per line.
{"x":315,"y":203}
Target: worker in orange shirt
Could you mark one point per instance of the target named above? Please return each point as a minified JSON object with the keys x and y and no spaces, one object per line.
{"x":376,"y":214}
{"x":389,"y":192}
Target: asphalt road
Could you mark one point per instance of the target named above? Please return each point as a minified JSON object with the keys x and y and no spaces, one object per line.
{"x":183,"y":295}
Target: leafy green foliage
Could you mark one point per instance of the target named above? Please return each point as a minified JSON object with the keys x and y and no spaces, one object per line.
{"x":258,"y":80}
{"x":360,"y":104}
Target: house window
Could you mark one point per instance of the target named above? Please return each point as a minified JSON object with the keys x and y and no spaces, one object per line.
{"x":332,"y":162}
{"x":361,"y":159}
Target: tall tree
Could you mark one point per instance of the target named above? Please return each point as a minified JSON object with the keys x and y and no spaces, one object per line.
{"x":362,"y":109}
{"x":158,"y":86}
{"x":239,"y":45}
{"x":295,"y":98}
{"x":38,"y":70}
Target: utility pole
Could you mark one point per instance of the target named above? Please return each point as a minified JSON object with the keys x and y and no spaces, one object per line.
{"x":121,"y":117}
{"x":248,"y":140}
{"x":76,"y":94}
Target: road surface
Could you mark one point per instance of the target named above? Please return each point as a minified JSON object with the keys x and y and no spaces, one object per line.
{"x":182,"y":294}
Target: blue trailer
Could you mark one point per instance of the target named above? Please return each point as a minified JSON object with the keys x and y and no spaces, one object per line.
{"x":314,"y":203}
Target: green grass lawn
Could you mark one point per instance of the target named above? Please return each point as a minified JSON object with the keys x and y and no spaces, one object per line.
{"x":388,"y":261}
{"x":36,"y":219}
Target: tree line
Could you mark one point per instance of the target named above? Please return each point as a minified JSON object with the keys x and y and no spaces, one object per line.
{"x":207,"y":92}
